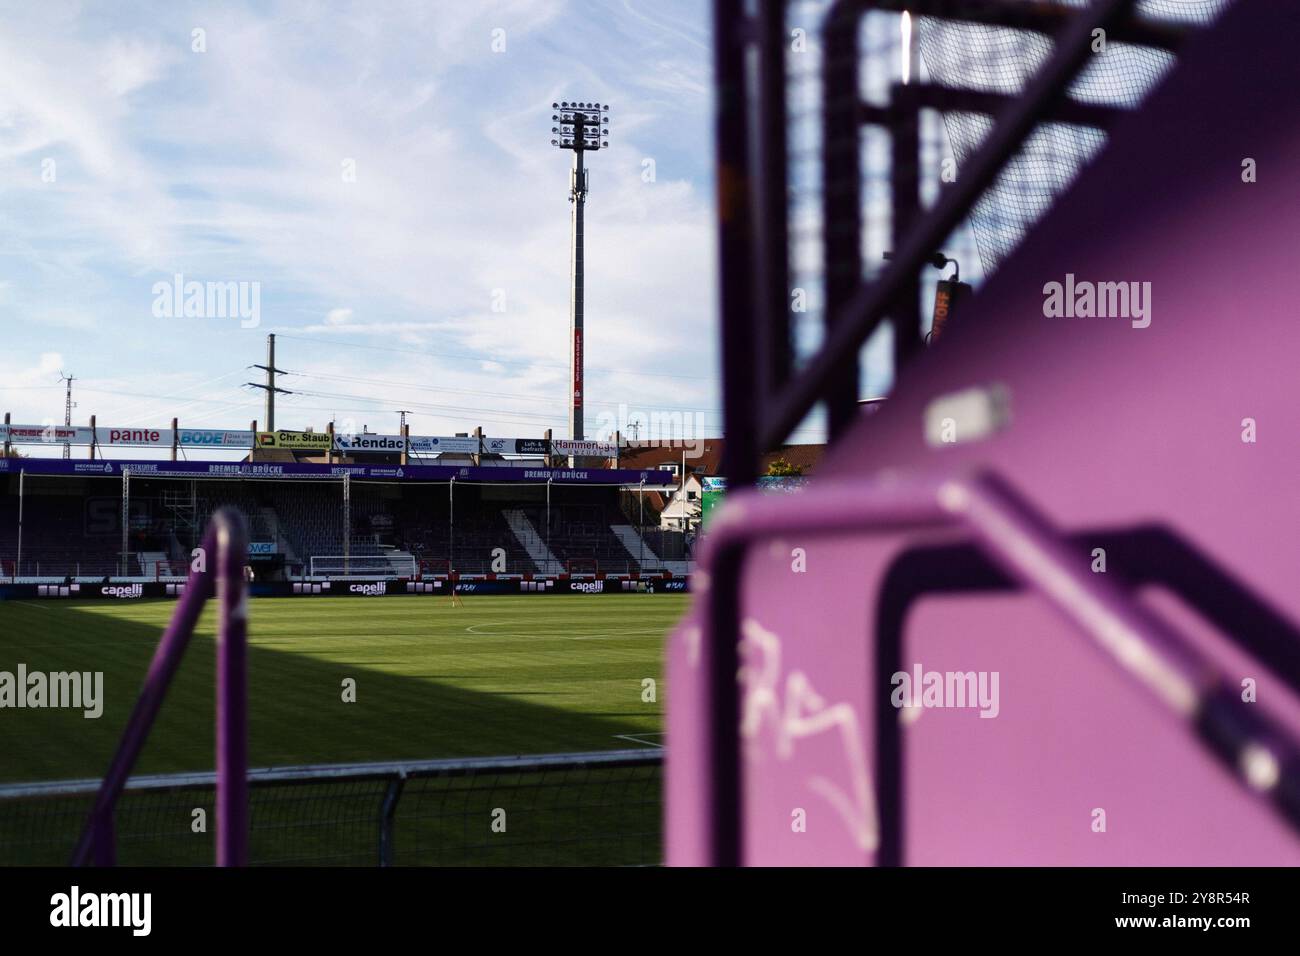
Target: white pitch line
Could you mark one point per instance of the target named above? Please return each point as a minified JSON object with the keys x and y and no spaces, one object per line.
{"x":542,"y":635}
{"x":470,"y":628}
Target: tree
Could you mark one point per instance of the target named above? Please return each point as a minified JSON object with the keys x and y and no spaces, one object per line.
{"x":12,"y":453}
{"x":780,"y":468}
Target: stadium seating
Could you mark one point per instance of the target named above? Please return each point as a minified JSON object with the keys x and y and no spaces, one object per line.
{"x":55,"y":540}
{"x":71,"y":530}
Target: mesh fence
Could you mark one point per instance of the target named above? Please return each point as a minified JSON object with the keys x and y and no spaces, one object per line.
{"x":558,"y":816}
{"x":598,"y":809}
{"x":1001,"y":60}
{"x":945,"y":53}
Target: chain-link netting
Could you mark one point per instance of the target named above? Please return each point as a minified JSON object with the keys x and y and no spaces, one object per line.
{"x":559,"y":816}
{"x":890,"y":49}
{"x":564,"y":810}
{"x":994,"y":59}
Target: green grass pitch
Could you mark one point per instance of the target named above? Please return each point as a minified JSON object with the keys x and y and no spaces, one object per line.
{"x":501,"y":675}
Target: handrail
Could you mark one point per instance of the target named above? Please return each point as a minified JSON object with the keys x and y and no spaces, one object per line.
{"x":226,"y":545}
{"x":1256,"y":749}
{"x":382,"y":769}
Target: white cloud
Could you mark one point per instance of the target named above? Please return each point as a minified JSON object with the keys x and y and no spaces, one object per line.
{"x":227,"y":165}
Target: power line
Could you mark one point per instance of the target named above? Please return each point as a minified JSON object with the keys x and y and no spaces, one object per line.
{"x":431,"y":406}
{"x":362,"y":403}
{"x":470,"y":391}
{"x":181,"y":396}
{"x":480,"y":358}
{"x":504,"y":417}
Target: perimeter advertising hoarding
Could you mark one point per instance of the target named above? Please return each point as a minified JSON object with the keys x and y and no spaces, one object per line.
{"x":134,"y":591}
{"x":433,"y":445}
{"x":295,"y":441}
{"x":298,"y":471}
{"x":148,"y":437}
{"x":516,"y":446}
{"x":108,"y":435}
{"x":426,"y":445}
{"x":584,"y":449}
{"x":215,"y":438}
{"x":84,"y":589}
{"x":45,"y":434}
{"x":370,"y":443}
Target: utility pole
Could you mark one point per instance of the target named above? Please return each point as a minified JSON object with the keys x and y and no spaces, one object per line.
{"x":686,"y":523}
{"x":270,"y":386}
{"x":581,"y":126}
{"x":68,"y":406}
{"x":405,"y":458}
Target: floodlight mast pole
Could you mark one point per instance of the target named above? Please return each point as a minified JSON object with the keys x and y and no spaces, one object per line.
{"x":578,"y":200}
{"x":580,"y":127}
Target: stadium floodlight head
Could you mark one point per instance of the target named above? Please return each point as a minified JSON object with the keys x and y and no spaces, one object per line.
{"x":579,"y":127}
{"x":582,"y":126}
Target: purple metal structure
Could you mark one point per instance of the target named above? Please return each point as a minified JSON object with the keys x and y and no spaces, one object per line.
{"x":1140,"y":439}
{"x":226,"y":546}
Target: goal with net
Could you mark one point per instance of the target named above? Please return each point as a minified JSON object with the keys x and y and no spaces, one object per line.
{"x":582,"y":567}
{"x":435,"y":568}
{"x":363,"y":566}
{"x":171,"y":571}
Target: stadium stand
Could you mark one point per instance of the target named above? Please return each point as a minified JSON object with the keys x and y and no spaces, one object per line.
{"x":57,"y":542}
{"x":73,"y":526}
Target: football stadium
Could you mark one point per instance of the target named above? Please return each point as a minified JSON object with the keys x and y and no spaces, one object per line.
{"x":479,"y":623}
{"x":896,"y":468}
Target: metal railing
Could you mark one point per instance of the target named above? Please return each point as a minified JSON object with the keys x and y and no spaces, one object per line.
{"x":225,"y":546}
{"x":588,"y":809}
{"x":827,"y":179}
{"x":1024,"y":545}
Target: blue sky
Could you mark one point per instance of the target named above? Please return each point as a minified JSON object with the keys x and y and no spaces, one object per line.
{"x":127,"y":157}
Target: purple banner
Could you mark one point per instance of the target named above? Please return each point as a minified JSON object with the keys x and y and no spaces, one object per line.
{"x":299,"y":471}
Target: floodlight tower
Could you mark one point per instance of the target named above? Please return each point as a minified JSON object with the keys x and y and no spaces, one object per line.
{"x":579,"y":127}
